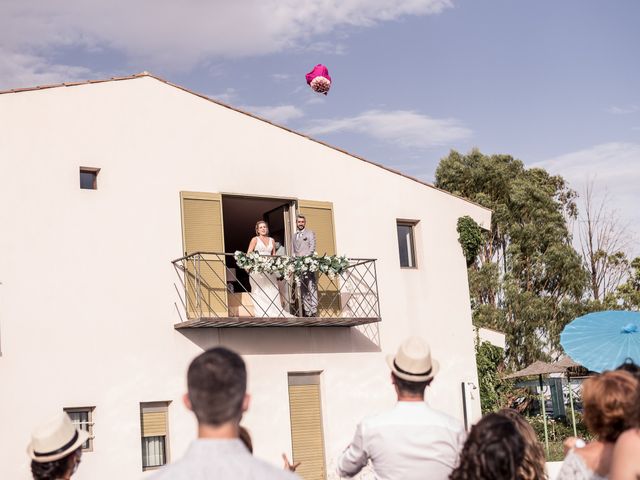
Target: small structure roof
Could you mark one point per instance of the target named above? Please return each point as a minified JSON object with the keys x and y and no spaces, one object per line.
{"x":537,"y":368}
{"x":566,"y":362}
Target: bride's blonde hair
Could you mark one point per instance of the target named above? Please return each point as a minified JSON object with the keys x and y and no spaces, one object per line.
{"x":258,"y":224}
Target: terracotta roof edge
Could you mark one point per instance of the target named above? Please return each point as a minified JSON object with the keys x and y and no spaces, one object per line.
{"x":218,"y":102}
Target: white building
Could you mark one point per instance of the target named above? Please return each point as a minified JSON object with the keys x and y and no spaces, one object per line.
{"x":90,"y":302}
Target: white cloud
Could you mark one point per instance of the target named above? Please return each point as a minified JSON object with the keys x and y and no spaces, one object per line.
{"x":616,"y":110}
{"x":276,"y":113}
{"x":228,"y":96}
{"x":178,"y":35}
{"x":400,"y":127}
{"x":614,"y":167}
{"x":26,"y":70}
{"x":281,"y":77}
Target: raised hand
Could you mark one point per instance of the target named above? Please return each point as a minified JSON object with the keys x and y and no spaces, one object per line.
{"x":289,"y":466}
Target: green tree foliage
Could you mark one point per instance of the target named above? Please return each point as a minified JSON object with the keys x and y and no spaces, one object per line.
{"x":470,"y":238}
{"x":628,"y":294}
{"x":495,"y":393}
{"x":528,"y":279}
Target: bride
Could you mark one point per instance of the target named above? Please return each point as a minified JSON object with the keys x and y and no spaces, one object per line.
{"x":264,"y":286}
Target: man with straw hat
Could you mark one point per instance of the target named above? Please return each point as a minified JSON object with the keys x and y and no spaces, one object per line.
{"x":412,"y":440}
{"x":56,"y":448}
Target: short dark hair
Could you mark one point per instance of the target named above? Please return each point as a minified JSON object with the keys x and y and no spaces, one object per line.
{"x":494,"y":449}
{"x":412,"y":389}
{"x":217,"y":383}
{"x":54,"y":469}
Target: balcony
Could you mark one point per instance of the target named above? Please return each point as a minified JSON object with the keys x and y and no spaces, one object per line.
{"x":215,"y":293}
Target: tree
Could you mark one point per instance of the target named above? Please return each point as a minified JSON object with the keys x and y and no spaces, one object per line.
{"x":528,"y":279}
{"x":628,"y":293}
{"x":603,"y":241}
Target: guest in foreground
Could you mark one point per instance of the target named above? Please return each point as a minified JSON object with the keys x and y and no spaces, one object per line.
{"x":56,"y":449}
{"x":626,"y":453}
{"x":494,"y":450}
{"x":411,"y":441}
{"x":534,"y":462}
{"x":217,"y":383}
{"x":609,"y":405}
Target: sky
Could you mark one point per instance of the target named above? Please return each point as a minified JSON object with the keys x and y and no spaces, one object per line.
{"x":554,"y":83}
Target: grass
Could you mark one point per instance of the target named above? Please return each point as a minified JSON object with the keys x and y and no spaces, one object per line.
{"x":556,"y":453}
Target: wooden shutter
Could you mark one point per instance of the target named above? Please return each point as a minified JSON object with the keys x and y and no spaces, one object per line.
{"x":319,"y":217}
{"x":202,"y":231}
{"x":307,"y":438}
{"x":153,"y":420}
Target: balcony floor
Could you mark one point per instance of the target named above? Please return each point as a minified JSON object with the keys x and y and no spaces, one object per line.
{"x":235,"y":322}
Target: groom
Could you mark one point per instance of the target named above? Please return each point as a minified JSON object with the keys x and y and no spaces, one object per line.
{"x":304,"y":243}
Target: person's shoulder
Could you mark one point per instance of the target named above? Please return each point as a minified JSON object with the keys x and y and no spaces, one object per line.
{"x":265,"y":471}
{"x":444,"y":419}
{"x":629,"y":439}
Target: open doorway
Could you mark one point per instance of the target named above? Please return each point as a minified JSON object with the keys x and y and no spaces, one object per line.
{"x":240,"y":215}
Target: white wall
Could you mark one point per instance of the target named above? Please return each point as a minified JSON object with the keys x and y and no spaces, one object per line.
{"x":88,"y":288}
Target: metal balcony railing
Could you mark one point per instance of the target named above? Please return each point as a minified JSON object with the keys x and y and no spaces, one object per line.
{"x":215,"y":292}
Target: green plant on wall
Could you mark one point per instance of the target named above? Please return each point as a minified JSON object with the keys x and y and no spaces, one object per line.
{"x":495,"y":392}
{"x":470,"y":238}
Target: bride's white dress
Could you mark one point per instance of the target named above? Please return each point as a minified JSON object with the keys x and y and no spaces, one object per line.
{"x":264,"y":288}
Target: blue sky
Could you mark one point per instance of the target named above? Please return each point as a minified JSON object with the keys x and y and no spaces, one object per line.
{"x":552,"y":82}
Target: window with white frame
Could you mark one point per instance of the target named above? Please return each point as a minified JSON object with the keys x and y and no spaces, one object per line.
{"x":82,"y":418}
{"x":406,"y":243}
{"x":155,"y":434}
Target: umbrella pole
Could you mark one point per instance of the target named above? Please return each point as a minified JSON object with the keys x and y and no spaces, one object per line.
{"x":544,"y":416}
{"x":573,"y":413}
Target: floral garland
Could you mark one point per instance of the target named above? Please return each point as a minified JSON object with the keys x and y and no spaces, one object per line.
{"x":330,"y":265}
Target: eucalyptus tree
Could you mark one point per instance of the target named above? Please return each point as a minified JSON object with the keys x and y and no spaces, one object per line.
{"x":527,"y":280}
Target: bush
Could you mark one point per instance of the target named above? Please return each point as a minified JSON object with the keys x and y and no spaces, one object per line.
{"x":558,"y":431}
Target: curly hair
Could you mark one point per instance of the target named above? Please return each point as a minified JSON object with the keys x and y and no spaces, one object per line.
{"x":533,"y":464}
{"x":494,"y":450}
{"x":53,"y":470}
{"x":609,"y":401}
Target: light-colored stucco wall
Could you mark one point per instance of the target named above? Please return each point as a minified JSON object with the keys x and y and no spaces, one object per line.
{"x":87,"y":295}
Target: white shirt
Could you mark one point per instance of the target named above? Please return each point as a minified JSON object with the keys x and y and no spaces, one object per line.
{"x":574,"y":468}
{"x":208,"y":459}
{"x":411,"y":441}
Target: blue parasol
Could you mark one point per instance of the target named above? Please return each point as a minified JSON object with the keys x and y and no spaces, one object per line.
{"x":603,"y":340}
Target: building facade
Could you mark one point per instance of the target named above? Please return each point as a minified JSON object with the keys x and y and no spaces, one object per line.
{"x":97,"y":312}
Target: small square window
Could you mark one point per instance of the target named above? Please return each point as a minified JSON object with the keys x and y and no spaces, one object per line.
{"x":154,"y":428}
{"x":82,"y":418}
{"x":89,"y":178}
{"x":406,"y":243}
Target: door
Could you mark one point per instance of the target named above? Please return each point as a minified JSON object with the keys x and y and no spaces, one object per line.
{"x":205,"y":275}
{"x":319,"y":217}
{"x":307,"y":436}
{"x":279,"y":220}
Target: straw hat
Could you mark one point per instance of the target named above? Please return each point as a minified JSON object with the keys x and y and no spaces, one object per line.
{"x":55,"y":439}
{"x":413,"y":361}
